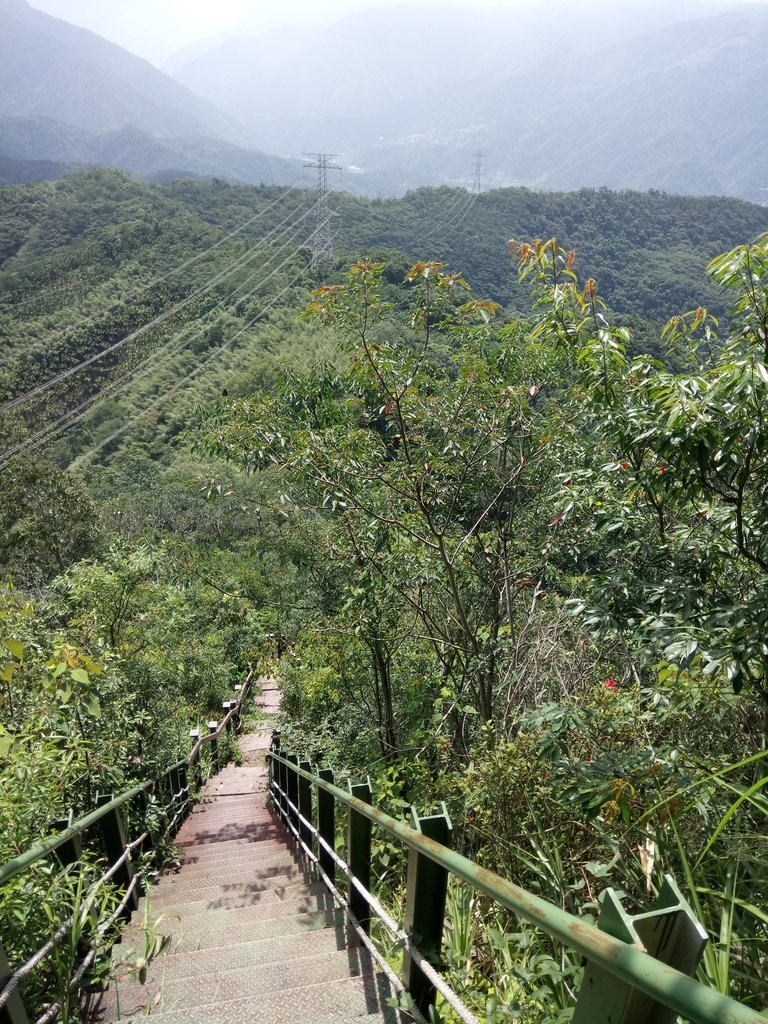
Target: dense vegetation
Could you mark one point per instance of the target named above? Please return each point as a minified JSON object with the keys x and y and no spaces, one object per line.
{"x":518,"y":565}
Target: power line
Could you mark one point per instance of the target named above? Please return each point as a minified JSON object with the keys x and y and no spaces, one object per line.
{"x":458,"y":211}
{"x":182,"y":266}
{"x":72,"y":416}
{"x":447,"y":215}
{"x":322,"y":243}
{"x":186,"y":379}
{"x":154,"y":322}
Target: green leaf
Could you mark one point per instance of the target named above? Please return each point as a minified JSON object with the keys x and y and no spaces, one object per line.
{"x":16,"y":647}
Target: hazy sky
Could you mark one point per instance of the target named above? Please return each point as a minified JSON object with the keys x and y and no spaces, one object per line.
{"x":157,"y":28}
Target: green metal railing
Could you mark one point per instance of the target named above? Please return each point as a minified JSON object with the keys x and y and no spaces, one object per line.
{"x":172,"y":790}
{"x":623,"y":983}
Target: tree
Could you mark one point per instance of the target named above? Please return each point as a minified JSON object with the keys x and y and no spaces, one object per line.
{"x":427,"y":458}
{"x":671,"y":493}
{"x":47,"y":521}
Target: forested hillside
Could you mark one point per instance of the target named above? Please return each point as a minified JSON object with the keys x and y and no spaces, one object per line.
{"x":145,"y":284}
{"x":508,"y":528}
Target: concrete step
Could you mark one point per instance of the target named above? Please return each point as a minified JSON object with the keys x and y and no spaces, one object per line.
{"x":249,"y":806}
{"x":302,"y":900}
{"x":177,"y":993}
{"x":204,"y":828}
{"x":246,"y":779}
{"x":205,"y":961}
{"x":340,"y":1002}
{"x":238,"y":858}
{"x":198,"y":889}
{"x":241,"y":814}
{"x":179,"y":922}
{"x":237,"y":789}
{"x":232,"y":930}
{"x":212,"y":873}
{"x":252,"y":936}
{"x":225,"y":835}
{"x":239,"y":817}
{"x":242,"y":858}
{"x":233,"y":803}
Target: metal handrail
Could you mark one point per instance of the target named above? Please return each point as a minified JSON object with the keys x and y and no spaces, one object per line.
{"x":25,"y":860}
{"x":693,"y":1000}
{"x":11,"y":982}
{"x":395,"y":930}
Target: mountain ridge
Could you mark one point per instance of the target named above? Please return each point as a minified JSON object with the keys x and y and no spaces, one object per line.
{"x":49,"y":67}
{"x":523,"y":121}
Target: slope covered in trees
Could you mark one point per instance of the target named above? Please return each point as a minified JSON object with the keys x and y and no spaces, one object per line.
{"x":167,"y":280}
{"x":515,"y":566}
{"x":537,"y":569}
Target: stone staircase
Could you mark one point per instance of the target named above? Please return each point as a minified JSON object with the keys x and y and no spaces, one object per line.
{"x":251,"y":935}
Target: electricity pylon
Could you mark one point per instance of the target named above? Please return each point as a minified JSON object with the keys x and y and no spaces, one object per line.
{"x":322,"y":239}
{"x":477,"y":183}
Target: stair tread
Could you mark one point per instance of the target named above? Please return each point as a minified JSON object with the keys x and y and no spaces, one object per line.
{"x":269,"y":902}
{"x":277,"y":876}
{"x":256,"y":979}
{"x":235,"y":928}
{"x":252,"y":936}
{"x":256,"y":951}
{"x":209,"y":871}
{"x":232,"y":894}
{"x":341,"y":1002}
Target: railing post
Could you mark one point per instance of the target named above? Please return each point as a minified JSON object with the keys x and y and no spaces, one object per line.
{"x":149,"y":843}
{"x":13,"y":1012}
{"x":305,"y":805}
{"x":239,"y":701}
{"x":359,"y":853}
{"x":212,"y":727}
{"x":166,"y":796}
{"x":184,"y":789}
{"x":292,"y":789}
{"x":71,"y":851}
{"x":113,"y":835}
{"x":226,"y":707}
{"x":273,"y":768}
{"x":175,"y":788}
{"x":425,"y":907}
{"x":326,"y":824}
{"x":194,"y":735}
{"x":282,"y":782}
{"x":669,"y":933}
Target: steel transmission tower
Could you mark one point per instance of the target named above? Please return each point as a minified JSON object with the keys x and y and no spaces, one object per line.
{"x":322,"y":239}
{"x":477,"y":183}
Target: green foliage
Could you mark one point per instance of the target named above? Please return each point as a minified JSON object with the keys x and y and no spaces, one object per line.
{"x":47,"y":521}
{"x":90,"y":259}
{"x":465,"y":485}
{"x":671,"y":488}
{"x":405,"y":496}
{"x":423,"y":461}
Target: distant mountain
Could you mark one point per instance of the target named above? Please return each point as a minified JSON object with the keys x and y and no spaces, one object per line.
{"x":681,"y":109}
{"x":69,"y":98}
{"x":17,"y":172}
{"x":559,"y":100}
{"x":44,"y":141}
{"x":49,"y":68}
{"x":553,"y":96}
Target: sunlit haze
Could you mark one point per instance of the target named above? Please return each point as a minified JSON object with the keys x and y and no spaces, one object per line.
{"x":155,"y":29}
